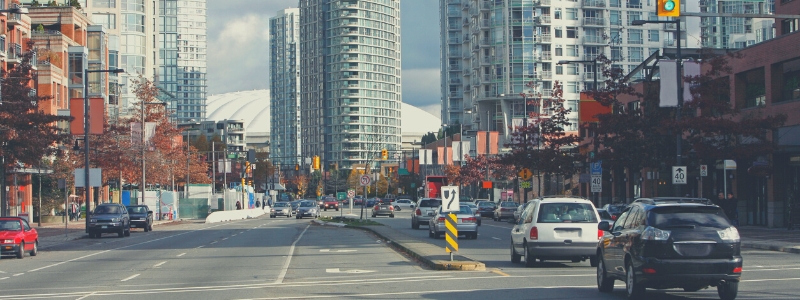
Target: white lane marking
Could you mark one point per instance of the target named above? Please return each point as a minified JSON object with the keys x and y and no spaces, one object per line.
{"x":131,"y":277}
{"x":429,"y":292}
{"x":289,"y":258}
{"x":214,"y":242}
{"x":18,"y":274}
{"x":498,"y":226}
{"x":771,"y":279}
{"x":159,"y":264}
{"x":354,"y":271}
{"x":124,"y":247}
{"x":224,"y":239}
{"x":781,"y":269}
{"x":182,"y":254}
{"x":496,"y":238}
{"x":198,"y":247}
{"x":340,"y":250}
{"x":1,"y":272}
{"x":86,"y":296}
{"x":4,"y":278}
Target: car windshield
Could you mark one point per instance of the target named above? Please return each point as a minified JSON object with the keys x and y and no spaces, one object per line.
{"x":567,"y":213}
{"x":281,"y":204}
{"x":107,"y":209}
{"x":704,"y":216}
{"x":307,"y":204}
{"x":487,"y":204}
{"x":508,"y":204}
{"x":137,"y":210}
{"x":430,"y":203}
{"x":9,"y":225}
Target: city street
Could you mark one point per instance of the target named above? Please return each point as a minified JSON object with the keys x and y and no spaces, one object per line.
{"x":287,"y":258}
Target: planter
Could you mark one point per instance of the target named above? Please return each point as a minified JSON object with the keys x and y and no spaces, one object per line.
{"x":52,"y":219}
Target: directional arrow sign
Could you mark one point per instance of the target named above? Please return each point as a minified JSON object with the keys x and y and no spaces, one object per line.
{"x":679,"y":175}
{"x":450,"y":199}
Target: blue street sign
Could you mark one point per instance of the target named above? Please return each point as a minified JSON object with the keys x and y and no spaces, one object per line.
{"x":597,"y":168}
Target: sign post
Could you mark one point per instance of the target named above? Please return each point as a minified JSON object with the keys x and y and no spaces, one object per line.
{"x":450,"y":203}
{"x":351,"y":193}
{"x":364,"y":181}
{"x":596,"y":169}
{"x":703,"y":173}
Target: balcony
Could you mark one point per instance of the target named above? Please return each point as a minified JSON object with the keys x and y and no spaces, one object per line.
{"x":635,"y":41}
{"x":487,"y":78}
{"x":455,"y":94}
{"x":466,"y":54}
{"x":669,"y":43}
{"x":15,"y":19}
{"x":485,"y":42}
{"x":235,"y":129}
{"x":486,"y":5}
{"x":465,"y":23}
{"x":455,"y":80}
{"x":546,"y":74}
{"x":594,"y":3}
{"x":487,"y":60}
{"x":543,"y":19}
{"x":545,"y":38}
{"x":594,"y":39}
{"x":484,"y":24}
{"x":14,"y":53}
{"x":547,"y":55}
{"x":542,"y":3}
{"x":465,"y":5}
{"x":454,"y":41}
{"x":594,"y":21}
{"x":589,"y":76}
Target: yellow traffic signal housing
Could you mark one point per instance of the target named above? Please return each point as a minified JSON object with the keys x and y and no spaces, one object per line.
{"x":385,"y":154}
{"x":316,"y":162}
{"x":297,"y":167}
{"x":668,"y":8}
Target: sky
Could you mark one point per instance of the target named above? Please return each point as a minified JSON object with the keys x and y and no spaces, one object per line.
{"x":238,"y":48}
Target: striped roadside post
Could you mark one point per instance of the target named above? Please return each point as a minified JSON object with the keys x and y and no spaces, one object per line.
{"x":451,"y":236}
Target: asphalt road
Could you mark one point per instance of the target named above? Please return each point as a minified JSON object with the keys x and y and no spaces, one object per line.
{"x":286,"y":258}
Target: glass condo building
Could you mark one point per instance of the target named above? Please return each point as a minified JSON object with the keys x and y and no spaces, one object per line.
{"x":284,"y":87}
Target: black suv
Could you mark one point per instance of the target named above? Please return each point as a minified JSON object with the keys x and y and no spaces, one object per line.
{"x":109,"y":218}
{"x":670,"y":244}
{"x":141,"y":217}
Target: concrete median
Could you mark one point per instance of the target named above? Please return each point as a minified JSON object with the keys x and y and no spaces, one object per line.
{"x":230,"y":215}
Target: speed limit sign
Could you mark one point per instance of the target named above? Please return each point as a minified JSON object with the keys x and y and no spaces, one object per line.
{"x":365,"y":180}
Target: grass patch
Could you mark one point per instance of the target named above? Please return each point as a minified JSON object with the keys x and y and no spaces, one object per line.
{"x":349,"y":221}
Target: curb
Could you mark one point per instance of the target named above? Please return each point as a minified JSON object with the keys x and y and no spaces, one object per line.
{"x":778,"y":248}
{"x":323,"y":223}
{"x":469,"y":265}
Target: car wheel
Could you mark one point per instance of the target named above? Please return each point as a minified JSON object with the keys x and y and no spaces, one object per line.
{"x":35,"y":248}
{"x":728,"y":290}
{"x":414,"y":225}
{"x":635,"y":290}
{"x":21,"y":250}
{"x":430,"y":232}
{"x":515,"y":258}
{"x":121,"y":232}
{"x":128,"y":232}
{"x":326,"y":209}
{"x":593,"y":261}
{"x":604,"y":284}
{"x":529,"y":259}
{"x":150,"y":227}
{"x":391,"y":216}
{"x":397,"y":208}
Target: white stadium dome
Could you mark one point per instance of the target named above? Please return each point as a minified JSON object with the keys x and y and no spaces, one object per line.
{"x":253,"y":108}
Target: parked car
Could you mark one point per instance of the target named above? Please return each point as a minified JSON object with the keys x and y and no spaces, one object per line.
{"x":371,"y":202}
{"x":426,"y":209}
{"x":662,"y":245}
{"x":519,"y":210}
{"x":141,"y":217}
{"x":384,"y":207}
{"x":401,"y":204}
{"x":307,"y":209}
{"x":330,"y":202}
{"x":358,"y":200}
{"x":474,"y":209}
{"x":505,"y":211}
{"x":556,"y":228}
{"x":109,"y":218}
{"x":467,"y":223}
{"x":17,"y":237}
{"x":486,"y":208}
{"x":281,"y":209}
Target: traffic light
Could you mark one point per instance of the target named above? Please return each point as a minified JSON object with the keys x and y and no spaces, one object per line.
{"x":297,"y":167}
{"x":385,"y":154}
{"x":316,"y":162}
{"x":668,"y":8}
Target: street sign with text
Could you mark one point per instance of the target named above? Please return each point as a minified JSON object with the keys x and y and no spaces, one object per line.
{"x":703,"y":170}
{"x":597,"y":183}
{"x":679,"y":175}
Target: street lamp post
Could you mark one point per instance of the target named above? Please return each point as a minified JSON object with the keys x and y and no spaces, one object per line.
{"x":679,"y":66}
{"x":86,"y":185}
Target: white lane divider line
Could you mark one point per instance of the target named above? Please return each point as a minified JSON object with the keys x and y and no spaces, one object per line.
{"x":87,"y":296}
{"x":289,"y":258}
{"x":159,"y":264}
{"x":496,"y":238}
{"x":214,"y":242}
{"x":198,"y":247}
{"x":4,"y":278}
{"x":131,"y":277}
{"x":18,"y":274}
{"x":182,"y":254}
{"x":1,"y":272}
{"x":224,"y":239}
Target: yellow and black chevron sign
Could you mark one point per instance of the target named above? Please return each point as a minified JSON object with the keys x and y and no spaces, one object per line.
{"x":451,"y":235}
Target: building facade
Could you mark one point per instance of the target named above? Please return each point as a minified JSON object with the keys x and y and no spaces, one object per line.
{"x":735,"y":33}
{"x":284,"y":87}
{"x":192,"y":60}
{"x":350,"y":95}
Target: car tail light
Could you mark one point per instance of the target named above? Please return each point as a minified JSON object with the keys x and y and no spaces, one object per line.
{"x":737,"y":270}
{"x":377,"y":207}
{"x":391,"y":207}
{"x":613,"y":217}
{"x":440,"y":220}
{"x":468,"y":220}
{"x":418,"y":212}
{"x":600,"y":234}
{"x":649,"y":271}
{"x":534,"y":233}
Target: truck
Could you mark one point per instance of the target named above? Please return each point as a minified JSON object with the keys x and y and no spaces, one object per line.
{"x":433,"y":186}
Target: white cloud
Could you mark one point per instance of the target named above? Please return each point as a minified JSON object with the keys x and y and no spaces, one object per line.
{"x":239,"y":55}
{"x":421,"y":86}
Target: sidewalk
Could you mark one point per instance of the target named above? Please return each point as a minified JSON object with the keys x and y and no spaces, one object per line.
{"x":51,"y":234}
{"x":774,"y":239}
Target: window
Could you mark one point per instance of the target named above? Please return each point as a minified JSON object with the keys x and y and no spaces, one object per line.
{"x":636,"y":54}
{"x":572,"y":32}
{"x":652,"y":35}
{"x":572,"y":69}
{"x":104,"y":3}
{"x":634,"y":4}
{"x":559,"y":50}
{"x":633,"y":16}
{"x":559,"y":70}
{"x":615,"y":17}
{"x":566,"y":212}
{"x":558,"y":32}
{"x":573,"y":87}
{"x":572,"y":14}
{"x":635,"y":36}
{"x":615,"y":3}
{"x":572,"y":50}
{"x":616,"y":53}
{"x":133,"y":22}
{"x":557,"y":14}
{"x":107,"y":20}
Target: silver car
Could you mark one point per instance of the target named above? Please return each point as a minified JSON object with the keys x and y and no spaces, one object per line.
{"x":426,"y":209}
{"x":281,"y":209}
{"x":307,"y":208}
{"x":467,"y":223}
{"x":474,"y":209}
{"x":505,"y":210}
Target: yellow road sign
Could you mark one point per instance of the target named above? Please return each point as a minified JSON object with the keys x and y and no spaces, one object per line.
{"x":451,"y":235}
{"x":525,"y":174}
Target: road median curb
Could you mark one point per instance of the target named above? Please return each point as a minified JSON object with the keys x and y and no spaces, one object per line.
{"x":459,"y":265}
{"x":771,"y":247}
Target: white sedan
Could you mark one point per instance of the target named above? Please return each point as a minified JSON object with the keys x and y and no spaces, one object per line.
{"x":401,"y":204}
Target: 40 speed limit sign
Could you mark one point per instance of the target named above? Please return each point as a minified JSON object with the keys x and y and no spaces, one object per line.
{"x":597,"y":183}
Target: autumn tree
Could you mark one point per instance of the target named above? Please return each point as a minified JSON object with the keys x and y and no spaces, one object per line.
{"x":301,"y":183}
{"x":353,"y":181}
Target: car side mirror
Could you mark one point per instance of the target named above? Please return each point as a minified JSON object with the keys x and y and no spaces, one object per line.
{"x":412,"y":206}
{"x":149,"y":212}
{"x":604,"y":226}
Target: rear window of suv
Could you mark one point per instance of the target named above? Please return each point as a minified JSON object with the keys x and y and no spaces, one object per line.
{"x":680,"y":216}
{"x":429,"y":203}
{"x":487,"y":204}
{"x":567,"y":213}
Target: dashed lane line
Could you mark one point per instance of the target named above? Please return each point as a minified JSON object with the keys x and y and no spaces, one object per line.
{"x":131,"y":277}
{"x":182,"y":254}
{"x":159,"y":264}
